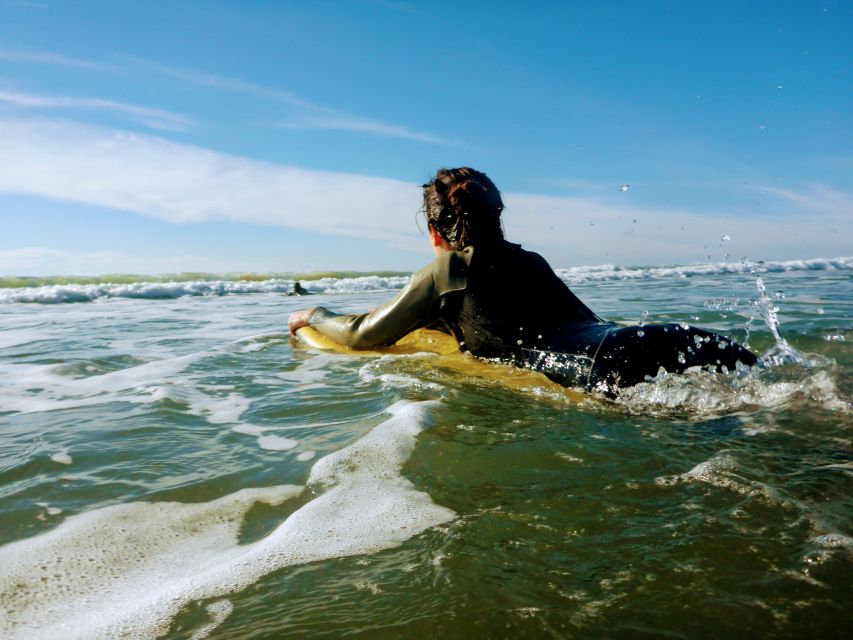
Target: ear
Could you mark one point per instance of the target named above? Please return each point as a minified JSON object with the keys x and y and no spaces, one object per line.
{"x":435,"y":236}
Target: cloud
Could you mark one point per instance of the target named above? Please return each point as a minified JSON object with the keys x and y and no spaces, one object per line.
{"x":30,"y":259}
{"x":312,"y":115}
{"x":342,"y":122}
{"x":184,"y":184}
{"x":153,"y":118}
{"x":817,"y":198}
{"x":47,"y":57}
{"x":573,"y":231}
{"x":41,"y":261}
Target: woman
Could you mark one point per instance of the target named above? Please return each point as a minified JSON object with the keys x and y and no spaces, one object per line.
{"x":502,"y":302}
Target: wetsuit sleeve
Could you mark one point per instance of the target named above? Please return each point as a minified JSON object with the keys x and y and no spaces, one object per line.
{"x":414,"y":307}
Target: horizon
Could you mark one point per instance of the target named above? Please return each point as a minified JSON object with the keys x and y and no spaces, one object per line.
{"x":826,"y":263}
{"x":145,"y":140}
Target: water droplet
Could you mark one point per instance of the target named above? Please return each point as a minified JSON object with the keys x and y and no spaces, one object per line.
{"x":625,"y":187}
{"x":681,"y":358}
{"x":820,"y":311}
{"x":762,"y":127}
{"x":643,"y":318}
{"x":641,"y":333}
{"x":779,"y":87}
{"x":539,"y":337}
{"x":725,"y":238}
{"x":518,"y":342}
{"x":779,"y":295}
{"x":592,"y":223}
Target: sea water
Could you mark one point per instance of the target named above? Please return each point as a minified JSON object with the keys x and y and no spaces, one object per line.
{"x":173,"y":464}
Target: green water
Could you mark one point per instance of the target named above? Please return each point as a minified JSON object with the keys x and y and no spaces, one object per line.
{"x":694,"y":507}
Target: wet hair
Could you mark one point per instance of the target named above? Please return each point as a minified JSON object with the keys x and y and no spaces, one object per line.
{"x":465,"y":207}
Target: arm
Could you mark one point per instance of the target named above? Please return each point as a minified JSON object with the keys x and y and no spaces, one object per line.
{"x":414,"y":307}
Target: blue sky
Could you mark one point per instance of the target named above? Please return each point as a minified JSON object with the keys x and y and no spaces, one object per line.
{"x":289,"y":136}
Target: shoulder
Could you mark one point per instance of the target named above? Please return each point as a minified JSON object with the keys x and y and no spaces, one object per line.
{"x":448,"y":272}
{"x":530,"y":257}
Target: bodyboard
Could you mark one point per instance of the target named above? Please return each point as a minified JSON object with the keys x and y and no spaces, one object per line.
{"x":451,"y":360}
{"x":418,"y":341}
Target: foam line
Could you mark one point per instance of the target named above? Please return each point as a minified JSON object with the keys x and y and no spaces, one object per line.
{"x":80,"y":292}
{"x":127,"y":570}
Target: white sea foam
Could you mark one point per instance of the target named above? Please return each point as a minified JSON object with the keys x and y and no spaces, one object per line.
{"x":277,"y":443}
{"x":219,"y":410}
{"x":612,"y":272}
{"x":127,"y":570}
{"x":62,"y":293}
{"x":62,"y":457}
{"x":30,"y":388}
{"x":249,"y":429}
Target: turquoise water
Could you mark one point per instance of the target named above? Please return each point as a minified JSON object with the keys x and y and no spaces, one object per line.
{"x":171,"y":463}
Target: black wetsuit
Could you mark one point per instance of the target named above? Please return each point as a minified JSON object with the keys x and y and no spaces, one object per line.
{"x":507,"y":303}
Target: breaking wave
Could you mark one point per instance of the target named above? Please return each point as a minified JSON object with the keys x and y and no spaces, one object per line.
{"x":56,"y":290}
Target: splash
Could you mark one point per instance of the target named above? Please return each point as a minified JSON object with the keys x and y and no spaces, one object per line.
{"x":765,"y":306}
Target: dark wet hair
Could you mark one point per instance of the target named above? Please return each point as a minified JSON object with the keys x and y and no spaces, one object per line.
{"x":464,"y":206}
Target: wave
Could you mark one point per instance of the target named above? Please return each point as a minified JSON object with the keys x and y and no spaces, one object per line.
{"x":574,"y":275}
{"x":64,"y":289}
{"x":72,"y":292}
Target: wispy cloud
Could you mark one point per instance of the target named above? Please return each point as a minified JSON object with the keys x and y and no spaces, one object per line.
{"x":310,"y":114}
{"x":327,"y":119}
{"x":29,"y":5}
{"x":50,"y":58}
{"x":153,"y":118}
{"x":817,"y":198}
{"x":183,"y":184}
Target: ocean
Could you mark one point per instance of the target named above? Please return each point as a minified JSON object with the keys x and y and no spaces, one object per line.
{"x":173,"y":464}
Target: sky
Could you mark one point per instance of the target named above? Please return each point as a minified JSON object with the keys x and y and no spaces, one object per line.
{"x":162,"y":137}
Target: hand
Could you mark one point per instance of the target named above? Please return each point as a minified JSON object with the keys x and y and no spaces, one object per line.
{"x":299,"y":319}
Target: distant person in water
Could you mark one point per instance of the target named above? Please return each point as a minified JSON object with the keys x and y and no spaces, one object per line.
{"x":298,"y":290}
{"x":502,"y":302}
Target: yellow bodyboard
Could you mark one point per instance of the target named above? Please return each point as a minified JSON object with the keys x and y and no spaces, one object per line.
{"x":418,"y":341}
{"x":442,"y":344}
